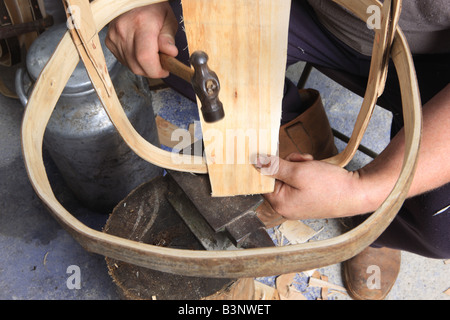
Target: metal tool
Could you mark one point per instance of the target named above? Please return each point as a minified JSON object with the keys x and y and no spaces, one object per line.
{"x":220,"y":223}
{"x":209,"y":239}
{"x":226,"y":222}
{"x":204,"y":81}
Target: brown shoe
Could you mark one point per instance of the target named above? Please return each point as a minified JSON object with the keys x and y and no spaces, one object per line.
{"x":371,"y":274}
{"x":310,"y":132}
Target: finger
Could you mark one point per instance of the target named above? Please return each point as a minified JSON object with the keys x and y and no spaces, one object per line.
{"x":277,"y":189}
{"x":111,"y":43}
{"x":282,"y":200}
{"x":114,"y":49}
{"x":147,"y":55}
{"x":166,"y":40}
{"x":273,"y":197}
{"x":277,"y":168}
{"x":298,"y":157}
{"x":166,"y":44}
{"x":123,"y":48}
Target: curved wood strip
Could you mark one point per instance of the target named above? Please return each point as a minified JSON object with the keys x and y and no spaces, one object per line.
{"x":377,"y":76}
{"x":228,"y":264}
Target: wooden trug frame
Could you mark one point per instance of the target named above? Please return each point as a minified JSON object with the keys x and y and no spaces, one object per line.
{"x":222,"y":264}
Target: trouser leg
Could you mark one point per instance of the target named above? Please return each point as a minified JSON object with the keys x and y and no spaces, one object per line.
{"x":421,"y":226}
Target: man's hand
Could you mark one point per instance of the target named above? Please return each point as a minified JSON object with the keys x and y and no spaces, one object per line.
{"x":309,"y":189}
{"x":137,"y":37}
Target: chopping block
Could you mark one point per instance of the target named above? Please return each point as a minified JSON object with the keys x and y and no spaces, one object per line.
{"x":178,"y":211}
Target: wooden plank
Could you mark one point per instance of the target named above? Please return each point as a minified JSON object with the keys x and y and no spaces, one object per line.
{"x":246,"y":41}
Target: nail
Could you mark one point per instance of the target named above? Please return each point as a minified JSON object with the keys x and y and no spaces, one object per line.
{"x":262,"y":161}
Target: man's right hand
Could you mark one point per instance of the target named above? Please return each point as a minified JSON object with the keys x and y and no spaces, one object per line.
{"x":137,"y":37}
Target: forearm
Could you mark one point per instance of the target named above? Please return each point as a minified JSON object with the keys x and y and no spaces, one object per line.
{"x":433,"y":169}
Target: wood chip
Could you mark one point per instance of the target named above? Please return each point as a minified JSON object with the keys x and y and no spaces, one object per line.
{"x":265,"y":292}
{"x":284,"y":281}
{"x":447,"y":292}
{"x":182,"y":139}
{"x":447,"y":261}
{"x":285,"y":288}
{"x":316,"y":274}
{"x":324,"y":291}
{"x":310,"y":273}
{"x":314,"y":282}
{"x":297,"y":232}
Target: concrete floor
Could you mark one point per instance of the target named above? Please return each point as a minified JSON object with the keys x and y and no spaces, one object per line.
{"x":36,"y":252}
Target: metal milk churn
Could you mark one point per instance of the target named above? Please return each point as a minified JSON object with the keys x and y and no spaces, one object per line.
{"x":90,"y":154}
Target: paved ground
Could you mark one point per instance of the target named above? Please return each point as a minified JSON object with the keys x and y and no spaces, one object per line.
{"x":37,"y":253}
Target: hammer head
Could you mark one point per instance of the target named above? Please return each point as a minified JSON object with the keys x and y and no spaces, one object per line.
{"x":206,"y":86}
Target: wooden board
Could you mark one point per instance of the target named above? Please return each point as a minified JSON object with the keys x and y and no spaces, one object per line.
{"x":246,"y":41}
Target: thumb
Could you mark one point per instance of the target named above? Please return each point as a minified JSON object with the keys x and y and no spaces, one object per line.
{"x":275,"y":167}
{"x":166,"y":39}
{"x":166,"y":44}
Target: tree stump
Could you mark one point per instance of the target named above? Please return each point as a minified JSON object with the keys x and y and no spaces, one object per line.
{"x":146,"y":216}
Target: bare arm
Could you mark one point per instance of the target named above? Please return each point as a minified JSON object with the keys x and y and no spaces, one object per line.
{"x":433,"y":169}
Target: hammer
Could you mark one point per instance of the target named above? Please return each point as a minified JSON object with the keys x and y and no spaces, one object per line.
{"x":204,"y":81}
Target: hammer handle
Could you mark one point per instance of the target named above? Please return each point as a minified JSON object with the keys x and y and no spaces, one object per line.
{"x":176,"y":67}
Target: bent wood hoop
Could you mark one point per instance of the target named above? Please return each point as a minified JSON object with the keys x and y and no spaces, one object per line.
{"x":222,"y":264}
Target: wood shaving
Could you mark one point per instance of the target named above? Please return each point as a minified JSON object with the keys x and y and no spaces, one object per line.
{"x":297,"y":232}
{"x":265,"y":292}
{"x":314,"y":282}
{"x":286,"y":289}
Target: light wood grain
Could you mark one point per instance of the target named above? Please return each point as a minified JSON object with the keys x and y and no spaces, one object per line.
{"x":247,"y":44}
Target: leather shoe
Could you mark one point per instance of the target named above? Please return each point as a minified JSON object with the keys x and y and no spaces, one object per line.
{"x":371,"y":274}
{"x":310,"y":132}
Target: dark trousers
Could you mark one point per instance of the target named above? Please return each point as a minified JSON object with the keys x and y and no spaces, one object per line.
{"x":416,"y":228}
